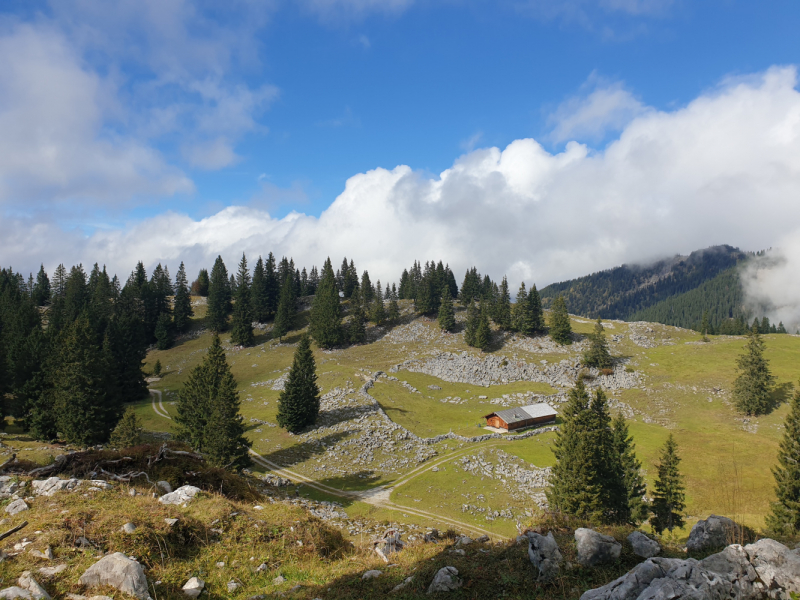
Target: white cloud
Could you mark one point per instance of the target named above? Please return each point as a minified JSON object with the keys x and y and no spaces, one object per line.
{"x":772,"y":286}
{"x":723,"y":169}
{"x":602,"y":108}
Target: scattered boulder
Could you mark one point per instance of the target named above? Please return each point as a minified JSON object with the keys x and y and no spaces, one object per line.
{"x":766,"y":569}
{"x":714,"y":532}
{"x":233,"y":586}
{"x":14,"y":592}
{"x":50,"y":571}
{"x":595,"y":548}
{"x":164,"y":486}
{"x":46,"y":555}
{"x":445,"y":580}
{"x":278,"y":580}
{"x":16,"y":507}
{"x":48,"y":487}
{"x":371,"y":574}
{"x":183,"y":495}
{"x":128,"y":528}
{"x":482,"y":539}
{"x":544,"y":554}
{"x":406,"y":582}
{"x":120,"y":572}
{"x":170,"y":522}
{"x":464,"y":540}
{"x":193,"y":587}
{"x":432,"y":537}
{"x":643,"y":546}
{"x":27,"y":582}
{"x":8,"y":486}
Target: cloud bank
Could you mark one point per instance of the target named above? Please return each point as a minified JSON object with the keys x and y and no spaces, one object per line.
{"x":723,"y":169}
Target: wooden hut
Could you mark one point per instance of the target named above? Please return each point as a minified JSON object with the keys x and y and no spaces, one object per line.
{"x":522,"y":416}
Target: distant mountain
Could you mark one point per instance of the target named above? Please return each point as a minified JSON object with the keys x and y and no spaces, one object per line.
{"x":626,"y":291}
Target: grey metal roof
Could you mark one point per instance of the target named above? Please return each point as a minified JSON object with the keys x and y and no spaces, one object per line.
{"x":513,"y":415}
{"x":542,"y":409}
{"x":523,"y":413}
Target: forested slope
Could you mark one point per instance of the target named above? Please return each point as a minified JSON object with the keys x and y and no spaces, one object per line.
{"x":624,"y":291}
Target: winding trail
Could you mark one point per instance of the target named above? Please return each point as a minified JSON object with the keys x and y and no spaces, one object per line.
{"x":379,"y":496}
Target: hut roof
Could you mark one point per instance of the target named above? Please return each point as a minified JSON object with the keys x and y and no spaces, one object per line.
{"x":523,"y":413}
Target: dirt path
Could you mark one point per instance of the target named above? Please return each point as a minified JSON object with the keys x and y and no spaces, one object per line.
{"x":160,"y":410}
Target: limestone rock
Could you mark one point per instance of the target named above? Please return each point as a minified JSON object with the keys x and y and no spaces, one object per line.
{"x":233,"y":586}
{"x":128,"y":528}
{"x":776,"y":565}
{"x":8,"y":487}
{"x":183,"y":495}
{"x":643,"y":546}
{"x":278,"y":580}
{"x":17,"y":506}
{"x":371,"y":574}
{"x":406,"y":582}
{"x":635,"y":581}
{"x":482,"y":539}
{"x":595,"y":548}
{"x":14,"y":592}
{"x":48,"y":487}
{"x":26,"y":581}
{"x":193,"y":587}
{"x":120,"y":572}
{"x":445,"y":580}
{"x":464,"y":540}
{"x":714,"y":532}
{"x":50,"y":571}
{"x":170,"y":522}
{"x":544,"y":554}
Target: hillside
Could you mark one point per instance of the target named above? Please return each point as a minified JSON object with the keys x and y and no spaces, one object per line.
{"x":624,"y":291}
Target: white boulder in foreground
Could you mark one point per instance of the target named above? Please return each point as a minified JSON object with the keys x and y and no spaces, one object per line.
{"x":183,"y":495}
{"x":120,"y":572}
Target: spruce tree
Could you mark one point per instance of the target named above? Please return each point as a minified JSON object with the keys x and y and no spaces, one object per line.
{"x":326,"y":317}
{"x":298,"y":403}
{"x":258,"y":295}
{"x":560,"y":328}
{"x":219,"y":297}
{"x":242,"y":325}
{"x":473,"y":320}
{"x":393,"y":314}
{"x":201,"y":284}
{"x":378,"y":310}
{"x":605,"y":465}
{"x":635,"y":488}
{"x":182,"y":310}
{"x":521,"y":313}
{"x":536,"y":312}
{"x":447,"y":315}
{"x":669,"y":496}
{"x":41,"y":290}
{"x":705,"y":327}
{"x":357,"y":326}
{"x":751,"y":390}
{"x":502,"y":311}
{"x":128,"y":431}
{"x":367,"y":292}
{"x":163,"y":331}
{"x":287,"y":310}
{"x":157,"y":368}
{"x":483,"y":334}
{"x":785,"y":517}
{"x":597,"y":355}
{"x":273,"y":285}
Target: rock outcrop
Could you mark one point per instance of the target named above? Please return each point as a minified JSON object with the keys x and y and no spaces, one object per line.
{"x":545,"y":555}
{"x":643,"y":546}
{"x":120,"y":572}
{"x":183,"y":495}
{"x":48,"y":487}
{"x":445,"y":580}
{"x":760,"y":571}
{"x":715,"y":532}
{"x":595,"y":548}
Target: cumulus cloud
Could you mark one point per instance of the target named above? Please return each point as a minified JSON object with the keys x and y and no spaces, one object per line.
{"x":603,"y":108}
{"x":723,"y":169}
{"x":772,"y":285}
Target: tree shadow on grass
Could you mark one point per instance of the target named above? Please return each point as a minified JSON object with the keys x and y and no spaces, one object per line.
{"x":780,"y":394}
{"x":298,"y":453}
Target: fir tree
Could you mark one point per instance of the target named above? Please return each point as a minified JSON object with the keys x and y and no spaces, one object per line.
{"x":128,"y":431}
{"x":219,"y":297}
{"x":536,"y":312}
{"x":357,"y":326}
{"x":273,"y":285}
{"x":447,"y":315}
{"x":201,"y":284}
{"x":669,"y":495}
{"x":751,"y":390}
{"x":287,"y":310}
{"x":378,"y":310}
{"x":326,"y":318}
{"x":597,"y":355}
{"x":367,"y":292}
{"x":157,"y":368}
{"x":298,"y":403}
{"x":705,"y":327}
{"x":624,"y":448}
{"x":521,"y":313}
{"x":483,"y":333}
{"x":560,"y":328}
{"x":785,"y":517}
{"x":258,"y":294}
{"x":224,"y":444}
{"x":182,"y":310}
{"x":163,"y":331}
{"x":473,"y":320}
{"x":393,"y":314}
{"x":502,"y":311}
{"x":41,"y":290}
{"x":242,"y":325}
{"x":604,"y":465}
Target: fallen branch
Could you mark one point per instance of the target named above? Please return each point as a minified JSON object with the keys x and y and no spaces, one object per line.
{"x":165,"y":453}
{"x":13,"y":530}
{"x":125,"y":478}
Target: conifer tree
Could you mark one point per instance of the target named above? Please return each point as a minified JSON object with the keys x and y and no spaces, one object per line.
{"x":483,"y":334}
{"x":258,"y":294}
{"x":669,"y":495}
{"x":326,"y":318}
{"x":502,"y":311}
{"x":704,"y":326}
{"x":163,"y":331}
{"x":298,"y":403}
{"x":157,"y":368}
{"x":560,"y":327}
{"x":785,"y":517}
{"x":219,"y":297}
{"x":182,"y":310}
{"x":447,"y":315}
{"x":41,"y":290}
{"x":751,"y":390}
{"x":393,"y":314}
{"x":473,"y":320}
{"x":604,"y":465}
{"x":597,"y":355}
{"x":357,"y":326}
{"x":521,"y":313}
{"x":273,"y":285}
{"x":128,"y":431}
{"x":287,"y":310}
{"x":224,"y":442}
{"x":367,"y":292}
{"x":378,"y":310}
{"x":624,"y":448}
{"x":536,"y":312}
{"x":200,"y":285}
{"x":242,"y":325}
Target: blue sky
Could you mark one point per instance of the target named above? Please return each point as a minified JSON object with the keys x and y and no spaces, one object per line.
{"x":216,"y":123}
